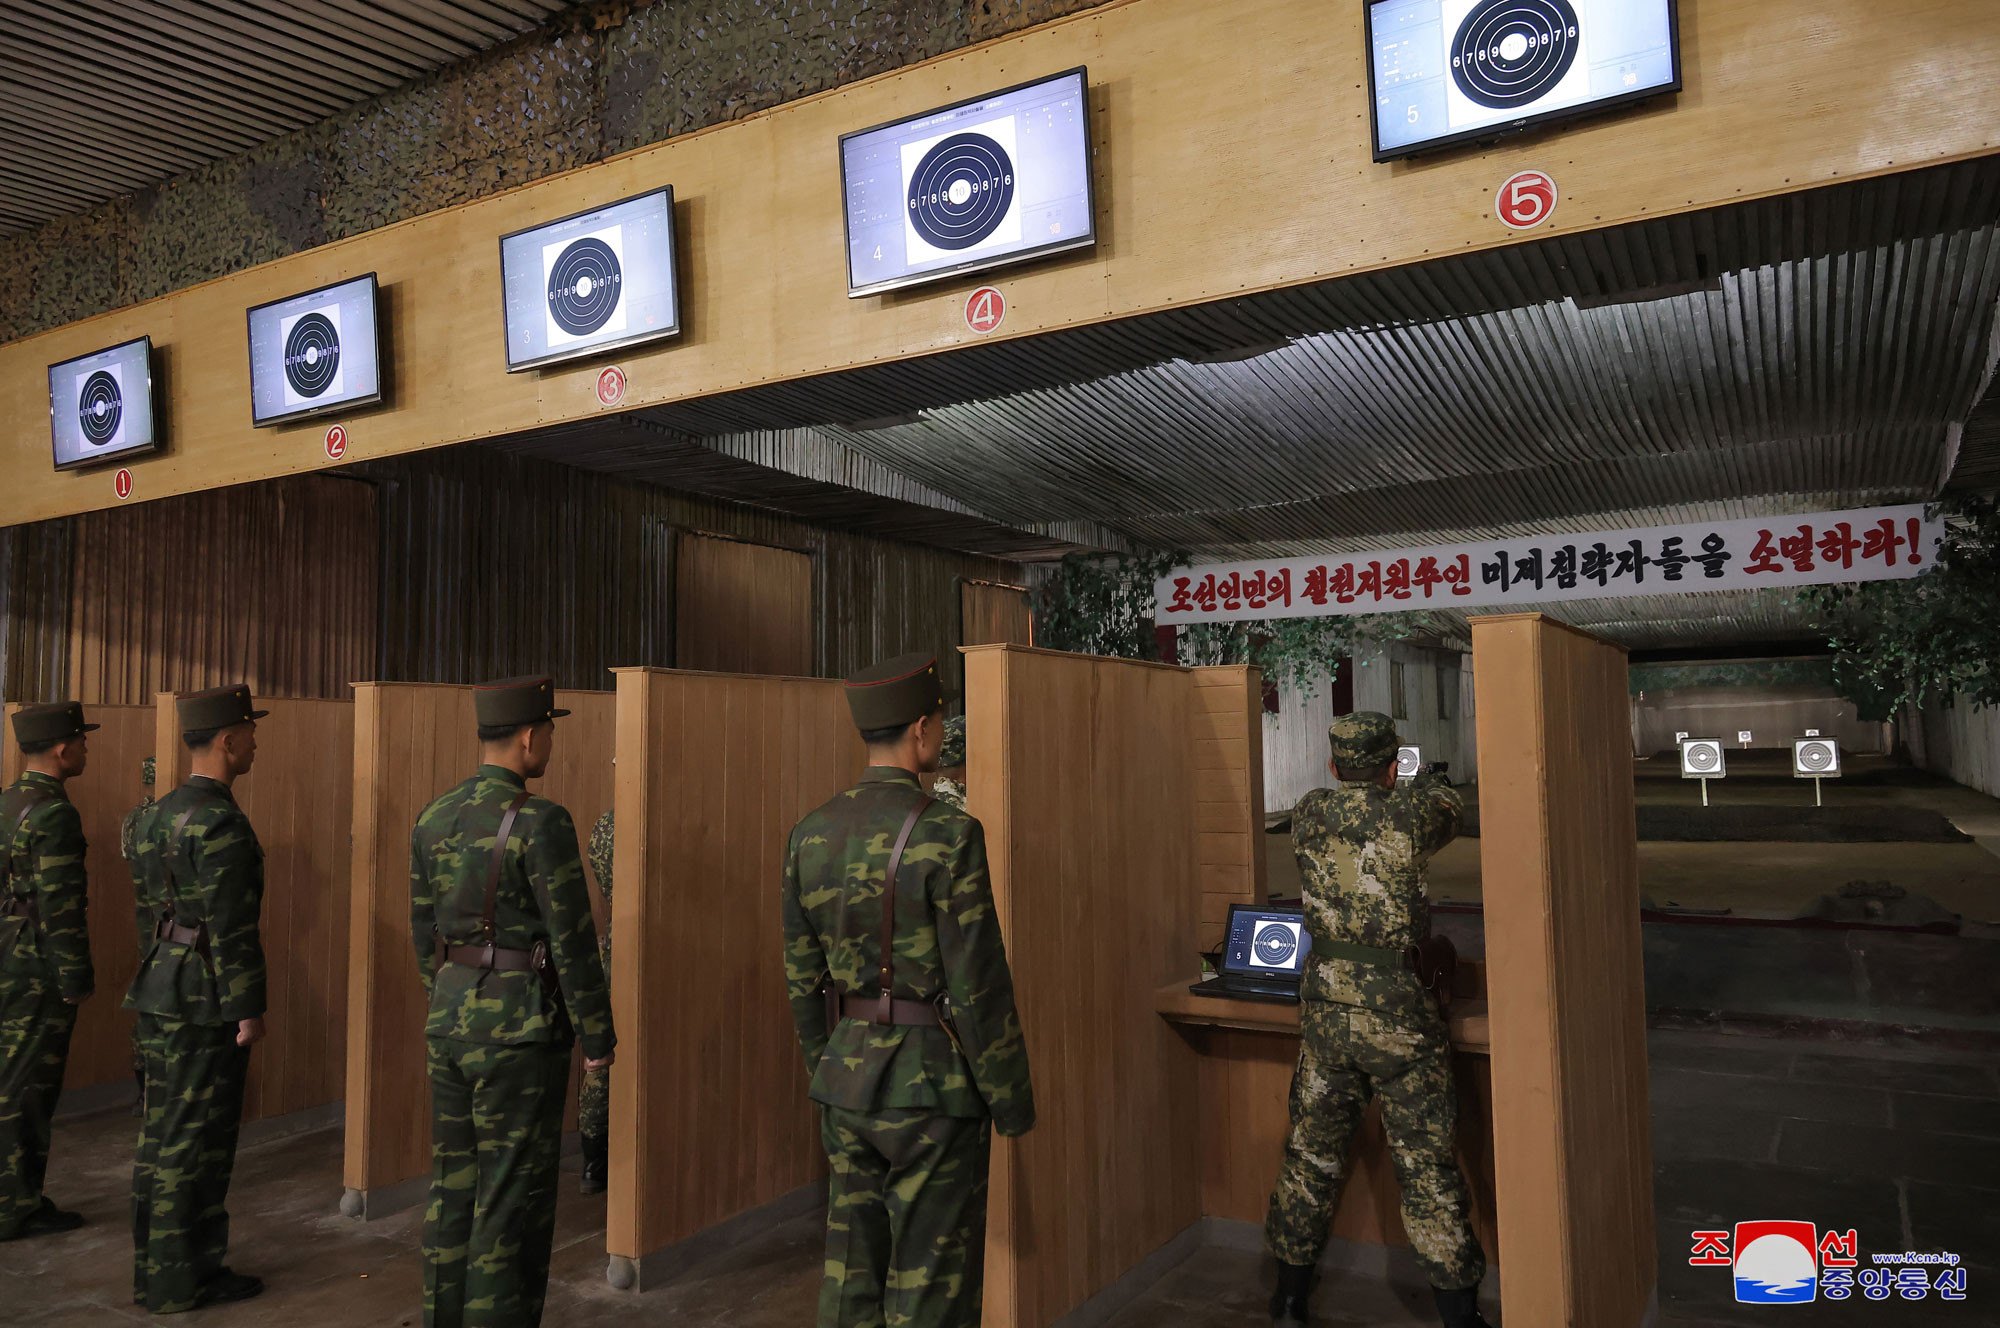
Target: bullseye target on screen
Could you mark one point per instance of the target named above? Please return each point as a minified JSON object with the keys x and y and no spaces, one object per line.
{"x":960,"y":190}
{"x":585,"y":280}
{"x":592,"y":282}
{"x":1276,"y":944}
{"x":101,"y":405}
{"x":312,"y":355}
{"x":316,"y":353}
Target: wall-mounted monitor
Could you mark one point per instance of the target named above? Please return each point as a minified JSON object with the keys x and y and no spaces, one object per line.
{"x":590,"y":283}
{"x":315,"y":353}
{"x":998,"y":179}
{"x":1442,"y":72}
{"x":101,"y":405}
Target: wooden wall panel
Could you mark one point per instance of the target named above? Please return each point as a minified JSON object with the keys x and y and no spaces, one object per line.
{"x":709,"y":1115}
{"x":412,"y":741}
{"x":100,"y":1052}
{"x":742,"y":608}
{"x":1177,"y":86}
{"x":991,"y":615}
{"x":270,"y":584}
{"x":297,"y":797}
{"x":1086,"y":783}
{"x":1228,"y":719}
{"x":1567,"y":1007}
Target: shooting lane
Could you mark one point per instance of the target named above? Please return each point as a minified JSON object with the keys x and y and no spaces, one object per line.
{"x":100,"y":1052}
{"x":712,"y":1135}
{"x":296,"y":796}
{"x":411,"y":742}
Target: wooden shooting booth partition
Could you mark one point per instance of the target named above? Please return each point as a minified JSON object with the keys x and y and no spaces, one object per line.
{"x":1560,"y":881}
{"x":296,"y":796}
{"x":712,"y":1135}
{"x":412,"y":741}
{"x":100,"y":1052}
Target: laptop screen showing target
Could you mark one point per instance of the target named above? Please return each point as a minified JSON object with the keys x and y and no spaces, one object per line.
{"x":1263,"y":954}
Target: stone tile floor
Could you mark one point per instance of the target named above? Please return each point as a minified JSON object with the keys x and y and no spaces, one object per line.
{"x":1903,"y":1146}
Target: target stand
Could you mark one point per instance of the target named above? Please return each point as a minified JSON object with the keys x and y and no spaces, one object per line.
{"x":1702,"y":759}
{"x":1817,"y":759}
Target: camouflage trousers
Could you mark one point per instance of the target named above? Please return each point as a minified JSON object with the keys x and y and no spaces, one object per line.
{"x":187,"y":1149}
{"x":496,"y":1146}
{"x":905,"y":1219}
{"x":34,"y":1045}
{"x":593,"y":1104}
{"x":1347,"y":1053}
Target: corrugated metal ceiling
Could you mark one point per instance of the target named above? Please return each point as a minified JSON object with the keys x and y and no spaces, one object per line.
{"x":100,"y":98}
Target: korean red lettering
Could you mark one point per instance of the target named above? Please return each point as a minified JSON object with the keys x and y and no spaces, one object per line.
{"x":1427,"y":575}
{"x":1343,"y":584}
{"x":1180,"y":603}
{"x":1280,"y":589}
{"x":1370,"y":582}
{"x":1458,"y":574}
{"x":1838,"y":1249}
{"x":1230,"y":591}
{"x":1315,"y":587}
{"x":1204,"y":593}
{"x":1763,"y":558}
{"x":1838,"y":544}
{"x":1711,"y":1249}
{"x":1798,"y":549}
{"x":1396,"y":579}
{"x":1253,"y":589}
{"x":1916,"y":540}
{"x":1881,"y":540}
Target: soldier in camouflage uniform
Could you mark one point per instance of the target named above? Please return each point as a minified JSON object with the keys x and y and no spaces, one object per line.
{"x":593,"y":1095}
{"x":949,"y":786}
{"x":908,"y":1092}
{"x":199,"y":876}
{"x":45,"y":968}
{"x":508,"y":953}
{"x":1368,"y":1026}
{"x":131,"y":831}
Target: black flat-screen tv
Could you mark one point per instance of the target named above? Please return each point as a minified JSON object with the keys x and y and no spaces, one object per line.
{"x":997,"y":179}
{"x":1443,"y":72}
{"x":593,"y":282}
{"x":316,"y":353}
{"x":101,"y":406}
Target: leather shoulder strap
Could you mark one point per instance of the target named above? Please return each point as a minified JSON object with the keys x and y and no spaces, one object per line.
{"x":493,"y":865}
{"x":884,"y":1008}
{"x":176,"y":855}
{"x":14,"y":833}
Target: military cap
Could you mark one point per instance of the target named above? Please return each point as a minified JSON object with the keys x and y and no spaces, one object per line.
{"x":896,"y":691}
{"x":1364,"y":740}
{"x":952,"y":754}
{"x":516,"y":701}
{"x":216,"y":708}
{"x":49,"y":722}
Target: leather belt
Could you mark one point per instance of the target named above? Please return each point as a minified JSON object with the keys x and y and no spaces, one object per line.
{"x":491,"y":957}
{"x":1376,"y":955}
{"x":869,"y":1009}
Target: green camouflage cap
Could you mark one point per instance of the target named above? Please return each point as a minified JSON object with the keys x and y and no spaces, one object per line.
{"x":516,"y":701}
{"x":895,"y":692}
{"x":146,"y":772}
{"x":952,"y":754}
{"x":1364,"y":740}
{"x":49,"y":722}
{"x":216,"y":708}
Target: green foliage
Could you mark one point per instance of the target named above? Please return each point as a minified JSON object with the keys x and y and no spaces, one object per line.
{"x":1925,"y":640}
{"x":1104,"y":606}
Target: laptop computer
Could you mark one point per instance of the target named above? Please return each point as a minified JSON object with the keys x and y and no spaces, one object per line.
{"x":1263,"y":955}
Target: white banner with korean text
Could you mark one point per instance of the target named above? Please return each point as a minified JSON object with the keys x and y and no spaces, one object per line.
{"x":1872,"y":544}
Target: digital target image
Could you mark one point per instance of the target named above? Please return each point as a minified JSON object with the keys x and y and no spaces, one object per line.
{"x":312,"y":355}
{"x":959,"y":188}
{"x":100,"y":406}
{"x":584,"y":279}
{"x":1276,"y":944}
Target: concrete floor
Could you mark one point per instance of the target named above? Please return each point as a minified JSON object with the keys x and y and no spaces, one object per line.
{"x":1902,"y":1145}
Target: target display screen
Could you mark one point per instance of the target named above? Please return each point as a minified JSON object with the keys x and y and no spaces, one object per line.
{"x":1266,"y":942}
{"x":1448,"y":71}
{"x":101,"y":405}
{"x":315,"y":353}
{"x":592,"y":282}
{"x":994,"y":180}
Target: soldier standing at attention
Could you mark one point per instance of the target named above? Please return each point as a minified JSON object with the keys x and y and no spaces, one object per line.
{"x":200,"y":997}
{"x":131,"y":834}
{"x":501,"y":920}
{"x":44,"y":957}
{"x":906,"y":1017}
{"x":1369,"y":1027}
{"x":593,"y":1095}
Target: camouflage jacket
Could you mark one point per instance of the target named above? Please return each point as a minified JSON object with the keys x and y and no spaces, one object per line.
{"x":1362,"y":853}
{"x":211,"y":873}
{"x":947,"y":940}
{"x":131,"y":837}
{"x":44,"y":865}
{"x":601,"y":837}
{"x":541,"y":897}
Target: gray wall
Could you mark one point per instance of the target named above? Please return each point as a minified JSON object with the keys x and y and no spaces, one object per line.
{"x":1295,"y":751}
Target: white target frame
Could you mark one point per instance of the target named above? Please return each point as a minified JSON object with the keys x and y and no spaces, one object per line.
{"x":1801,"y":750}
{"x":1409,"y":762}
{"x":1299,"y":942}
{"x":1691,"y":751}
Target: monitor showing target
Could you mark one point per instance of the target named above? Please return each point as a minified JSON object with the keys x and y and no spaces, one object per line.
{"x":1450,"y":71}
{"x":101,"y":405}
{"x":1815,"y":758}
{"x":994,"y":180}
{"x":590,"y":283}
{"x":315,"y":353}
{"x":1701,"y":758}
{"x":1265,"y":941}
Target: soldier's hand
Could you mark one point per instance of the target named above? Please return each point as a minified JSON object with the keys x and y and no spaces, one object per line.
{"x":604,"y":1064}
{"x":249,"y":1032}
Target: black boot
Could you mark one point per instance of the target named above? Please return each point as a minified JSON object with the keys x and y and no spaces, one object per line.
{"x":596,"y":1155}
{"x":1288,"y":1302}
{"x":1460,"y":1308}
